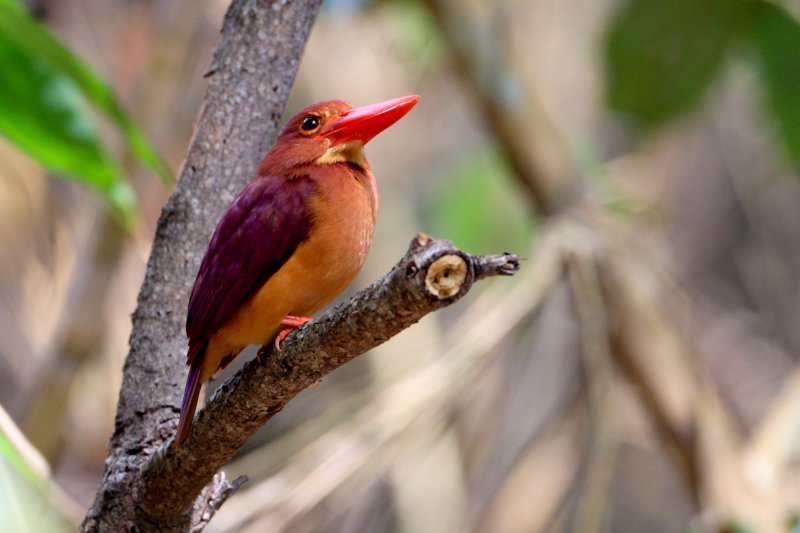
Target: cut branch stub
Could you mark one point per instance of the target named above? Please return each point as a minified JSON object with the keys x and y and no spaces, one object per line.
{"x":446,"y":271}
{"x":432,"y":274}
{"x":446,"y":276}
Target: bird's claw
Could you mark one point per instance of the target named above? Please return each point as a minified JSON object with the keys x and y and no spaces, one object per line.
{"x":279,"y":338}
{"x":291,"y":322}
{"x":282,"y":361}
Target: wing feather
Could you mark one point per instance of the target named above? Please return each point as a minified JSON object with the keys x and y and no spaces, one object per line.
{"x":258,"y":233}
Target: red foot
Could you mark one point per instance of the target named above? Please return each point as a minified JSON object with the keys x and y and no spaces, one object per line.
{"x":293,"y":322}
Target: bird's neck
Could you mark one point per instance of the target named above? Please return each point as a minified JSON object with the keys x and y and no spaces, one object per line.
{"x":285,"y":159}
{"x":350,"y":152}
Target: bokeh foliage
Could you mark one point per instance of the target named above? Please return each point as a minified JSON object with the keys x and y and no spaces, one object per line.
{"x":662,"y":56}
{"x":465,"y":207}
{"x":45,"y":94}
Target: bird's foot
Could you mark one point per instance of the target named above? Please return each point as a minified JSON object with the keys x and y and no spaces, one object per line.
{"x":292,"y":322}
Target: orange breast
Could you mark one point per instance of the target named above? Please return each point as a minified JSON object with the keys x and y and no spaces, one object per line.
{"x":321,"y":268}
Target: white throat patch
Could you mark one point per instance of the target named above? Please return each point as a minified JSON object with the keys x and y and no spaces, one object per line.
{"x":349,"y":152}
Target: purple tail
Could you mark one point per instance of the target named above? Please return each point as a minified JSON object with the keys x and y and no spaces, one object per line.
{"x":190,"y":395}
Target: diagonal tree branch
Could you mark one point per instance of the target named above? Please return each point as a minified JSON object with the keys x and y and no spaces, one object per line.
{"x":251,"y":73}
{"x":432,"y":275}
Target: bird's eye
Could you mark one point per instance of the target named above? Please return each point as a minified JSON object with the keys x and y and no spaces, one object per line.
{"x":310,"y":123}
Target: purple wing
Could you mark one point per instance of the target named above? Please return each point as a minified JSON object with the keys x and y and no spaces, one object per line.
{"x":258,"y":233}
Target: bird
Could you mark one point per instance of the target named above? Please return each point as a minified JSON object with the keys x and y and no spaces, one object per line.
{"x":290,"y":242}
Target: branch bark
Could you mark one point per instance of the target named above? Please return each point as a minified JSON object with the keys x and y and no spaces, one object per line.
{"x":432,"y":275}
{"x":251,"y":73}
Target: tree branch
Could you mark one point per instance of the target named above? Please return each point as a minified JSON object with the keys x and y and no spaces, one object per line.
{"x":432,"y":275}
{"x":251,"y":73}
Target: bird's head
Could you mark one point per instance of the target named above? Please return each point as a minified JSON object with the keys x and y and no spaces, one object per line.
{"x":333,"y":132}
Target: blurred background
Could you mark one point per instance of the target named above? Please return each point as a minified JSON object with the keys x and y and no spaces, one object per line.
{"x":639,"y":374}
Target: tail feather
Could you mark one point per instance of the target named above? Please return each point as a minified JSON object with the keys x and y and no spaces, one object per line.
{"x":190,"y":395}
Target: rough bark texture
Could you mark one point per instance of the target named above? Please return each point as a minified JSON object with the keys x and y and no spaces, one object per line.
{"x":249,"y":81}
{"x":432,"y":275}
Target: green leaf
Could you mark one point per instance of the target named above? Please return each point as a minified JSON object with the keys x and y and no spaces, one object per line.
{"x":776,"y":38}
{"x":9,"y":453}
{"x":29,"y":500}
{"x":44,"y":114}
{"x":32,"y":38}
{"x":661,"y":55}
{"x":27,"y":505}
{"x":44,"y":95}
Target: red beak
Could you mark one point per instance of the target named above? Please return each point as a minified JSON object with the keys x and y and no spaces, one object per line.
{"x":364,"y":123}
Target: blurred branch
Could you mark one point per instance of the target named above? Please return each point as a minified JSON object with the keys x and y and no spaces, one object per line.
{"x":78,"y":337}
{"x":696,"y":425}
{"x":545,"y":473}
{"x":256,"y":62}
{"x":650,"y":353}
{"x":525,"y":134}
{"x":432,"y":275}
{"x":592,"y":316}
{"x":774,"y":441}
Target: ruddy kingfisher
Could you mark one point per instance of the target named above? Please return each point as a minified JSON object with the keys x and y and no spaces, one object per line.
{"x":292,"y":240}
